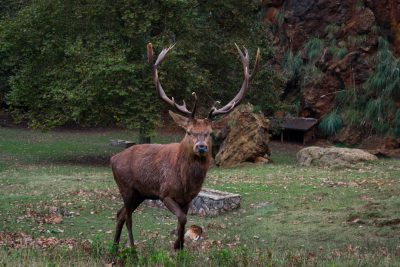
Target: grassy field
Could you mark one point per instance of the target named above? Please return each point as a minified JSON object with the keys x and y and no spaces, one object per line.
{"x":58,"y":202}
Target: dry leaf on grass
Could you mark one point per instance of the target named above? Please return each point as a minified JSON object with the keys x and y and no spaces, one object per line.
{"x":23,"y":240}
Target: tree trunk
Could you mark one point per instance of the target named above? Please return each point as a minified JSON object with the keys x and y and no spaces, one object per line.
{"x":143,"y":137}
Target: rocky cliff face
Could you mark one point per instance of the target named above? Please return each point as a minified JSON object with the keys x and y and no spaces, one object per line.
{"x":387,"y":14}
{"x":350,"y":32}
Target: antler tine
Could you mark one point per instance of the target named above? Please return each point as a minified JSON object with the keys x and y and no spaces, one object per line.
{"x":162,"y":55}
{"x":244,"y":58}
{"x":213,"y":109}
{"x":245,"y":85}
{"x":256,"y":65}
{"x":161,"y":93}
{"x":194,"y":105}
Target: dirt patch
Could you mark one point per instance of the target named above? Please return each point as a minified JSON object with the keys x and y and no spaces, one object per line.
{"x":285,"y":147}
{"x":88,"y":160}
{"x":389,"y":222}
{"x":373,"y":182}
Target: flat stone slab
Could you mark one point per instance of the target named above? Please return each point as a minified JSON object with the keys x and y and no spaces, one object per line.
{"x":121,"y":143}
{"x":209,"y":202}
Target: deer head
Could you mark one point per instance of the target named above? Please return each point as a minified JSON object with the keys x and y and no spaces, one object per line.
{"x":198,"y":131}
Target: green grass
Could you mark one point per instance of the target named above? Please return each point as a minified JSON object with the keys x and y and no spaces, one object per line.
{"x":289,"y":216}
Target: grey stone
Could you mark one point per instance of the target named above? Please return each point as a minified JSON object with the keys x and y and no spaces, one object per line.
{"x":208,"y":202}
{"x":332,"y":156}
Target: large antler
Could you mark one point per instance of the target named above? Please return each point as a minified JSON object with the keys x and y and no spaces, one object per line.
{"x":161,"y":93}
{"x":245,"y":85}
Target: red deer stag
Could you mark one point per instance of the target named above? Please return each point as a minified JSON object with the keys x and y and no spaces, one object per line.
{"x":173,"y":173}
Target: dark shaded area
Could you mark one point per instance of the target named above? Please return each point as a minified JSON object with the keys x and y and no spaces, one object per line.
{"x":87,"y":160}
{"x":294,"y":129}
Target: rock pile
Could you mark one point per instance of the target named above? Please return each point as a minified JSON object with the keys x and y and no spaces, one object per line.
{"x":242,"y":136}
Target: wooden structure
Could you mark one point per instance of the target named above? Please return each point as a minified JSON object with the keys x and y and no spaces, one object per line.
{"x":305,"y":127}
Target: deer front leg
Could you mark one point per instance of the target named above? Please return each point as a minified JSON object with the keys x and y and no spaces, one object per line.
{"x":181,"y":215}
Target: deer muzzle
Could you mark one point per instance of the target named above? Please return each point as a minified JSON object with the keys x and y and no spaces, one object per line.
{"x":201,"y":148}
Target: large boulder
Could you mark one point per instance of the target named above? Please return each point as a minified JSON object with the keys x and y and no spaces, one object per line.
{"x":332,"y":156}
{"x":242,"y":136}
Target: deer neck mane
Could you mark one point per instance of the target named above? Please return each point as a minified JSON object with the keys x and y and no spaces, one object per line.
{"x":192,"y":168}
{"x":187,"y":157}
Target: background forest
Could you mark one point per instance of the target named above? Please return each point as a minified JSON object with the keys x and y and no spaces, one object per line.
{"x":68,"y":63}
{"x":84,"y":62}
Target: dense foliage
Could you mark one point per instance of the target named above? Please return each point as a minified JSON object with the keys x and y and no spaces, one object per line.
{"x":369,"y":107}
{"x":84,"y":62}
{"x":372,"y":106}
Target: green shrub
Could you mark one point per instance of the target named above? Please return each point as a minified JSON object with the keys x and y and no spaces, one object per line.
{"x":340,"y":52}
{"x":346,"y":97}
{"x":360,"y":39}
{"x":314,"y":48}
{"x":386,"y":77}
{"x":280,"y":17}
{"x":331,"y":30}
{"x":292,"y":65}
{"x":353,"y":117}
{"x":372,"y":104}
{"x":380,"y":127}
{"x":331,"y":123}
{"x":375,"y":110}
{"x":311,"y":74}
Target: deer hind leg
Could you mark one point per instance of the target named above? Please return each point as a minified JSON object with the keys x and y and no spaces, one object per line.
{"x":120,"y":223}
{"x":130,"y":207}
{"x":181,"y":215}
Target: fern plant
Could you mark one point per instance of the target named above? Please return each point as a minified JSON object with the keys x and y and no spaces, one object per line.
{"x":346,"y":97}
{"x":292,"y":64}
{"x":337,"y":52}
{"x":314,"y":48}
{"x":280,"y":17}
{"x":331,"y":123}
{"x":360,"y":39}
{"x":386,"y":78}
{"x":381,"y":88}
{"x":353,"y":117}
{"x":311,"y":73}
{"x":331,"y":30}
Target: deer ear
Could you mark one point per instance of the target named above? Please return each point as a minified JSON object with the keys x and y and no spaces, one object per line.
{"x":179,"y":119}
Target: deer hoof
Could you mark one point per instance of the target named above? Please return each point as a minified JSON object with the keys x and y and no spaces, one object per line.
{"x":178,"y":245}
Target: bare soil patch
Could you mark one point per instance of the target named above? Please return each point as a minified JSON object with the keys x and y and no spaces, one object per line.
{"x":88,"y":160}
